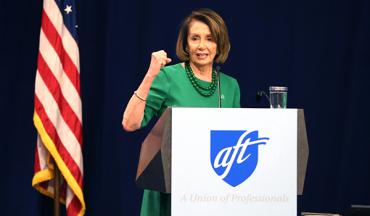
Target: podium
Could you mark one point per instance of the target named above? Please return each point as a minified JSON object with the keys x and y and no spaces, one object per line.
{"x":229,"y":161}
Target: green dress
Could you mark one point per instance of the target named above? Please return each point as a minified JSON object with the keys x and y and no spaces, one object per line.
{"x":172,"y":88}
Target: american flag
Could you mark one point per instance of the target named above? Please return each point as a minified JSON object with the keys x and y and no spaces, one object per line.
{"x":58,"y":111}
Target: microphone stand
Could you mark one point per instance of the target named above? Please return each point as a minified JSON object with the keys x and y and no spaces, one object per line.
{"x":260,"y":94}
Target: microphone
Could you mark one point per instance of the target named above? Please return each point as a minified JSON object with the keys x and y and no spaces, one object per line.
{"x":260,"y":94}
{"x":218,"y":68}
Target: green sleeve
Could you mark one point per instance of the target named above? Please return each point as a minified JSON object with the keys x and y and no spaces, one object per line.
{"x":155,"y":102}
{"x":236,"y":95}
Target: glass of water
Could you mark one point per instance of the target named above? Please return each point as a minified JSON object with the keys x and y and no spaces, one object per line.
{"x":278,"y":97}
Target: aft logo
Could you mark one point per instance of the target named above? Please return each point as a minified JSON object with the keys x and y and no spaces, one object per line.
{"x":234,"y":154}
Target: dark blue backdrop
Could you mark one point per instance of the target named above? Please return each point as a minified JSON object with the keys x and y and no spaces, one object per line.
{"x":319,"y":49}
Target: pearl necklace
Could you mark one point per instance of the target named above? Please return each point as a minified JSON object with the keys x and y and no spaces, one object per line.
{"x":204,"y":91}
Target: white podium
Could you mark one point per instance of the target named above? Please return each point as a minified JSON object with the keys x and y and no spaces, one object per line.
{"x":227,"y":161}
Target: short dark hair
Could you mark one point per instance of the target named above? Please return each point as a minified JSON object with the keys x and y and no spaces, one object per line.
{"x":218,"y":30}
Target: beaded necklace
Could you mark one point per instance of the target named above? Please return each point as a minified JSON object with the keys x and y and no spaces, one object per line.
{"x":204,"y":91}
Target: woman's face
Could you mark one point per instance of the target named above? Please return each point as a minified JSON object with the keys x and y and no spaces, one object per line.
{"x":201,"y":46}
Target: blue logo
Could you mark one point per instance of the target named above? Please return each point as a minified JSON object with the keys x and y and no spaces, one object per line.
{"x":234,"y":154}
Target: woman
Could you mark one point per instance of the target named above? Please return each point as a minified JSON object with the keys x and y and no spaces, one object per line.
{"x":202,"y":41}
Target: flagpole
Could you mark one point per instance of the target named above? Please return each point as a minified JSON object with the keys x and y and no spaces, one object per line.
{"x":56,"y":190}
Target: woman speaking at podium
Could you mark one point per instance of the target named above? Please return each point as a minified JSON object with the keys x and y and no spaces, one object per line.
{"x":202,"y":41}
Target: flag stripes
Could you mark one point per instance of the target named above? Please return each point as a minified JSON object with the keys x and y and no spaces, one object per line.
{"x":58,"y":109}
{"x":64,"y":153}
{"x":69,"y":43}
{"x":66,"y":111}
{"x":69,"y":88}
{"x":56,"y":43}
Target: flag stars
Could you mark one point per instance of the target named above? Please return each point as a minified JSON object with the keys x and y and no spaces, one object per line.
{"x":68,"y":9}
